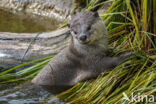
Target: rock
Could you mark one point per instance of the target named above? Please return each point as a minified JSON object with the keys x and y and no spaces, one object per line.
{"x":13,"y":46}
{"x":58,"y":8}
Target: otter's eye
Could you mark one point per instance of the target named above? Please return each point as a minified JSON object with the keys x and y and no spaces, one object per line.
{"x":75,"y":32}
{"x":89,"y":28}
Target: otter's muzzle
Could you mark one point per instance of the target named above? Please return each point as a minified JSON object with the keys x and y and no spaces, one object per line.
{"x":83,"y":37}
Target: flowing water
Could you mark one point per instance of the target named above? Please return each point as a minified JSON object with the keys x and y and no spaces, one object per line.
{"x":25,"y":93}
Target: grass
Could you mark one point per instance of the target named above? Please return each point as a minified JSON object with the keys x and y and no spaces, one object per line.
{"x":132,"y":28}
{"x":129,"y":30}
{"x":24,"y":74}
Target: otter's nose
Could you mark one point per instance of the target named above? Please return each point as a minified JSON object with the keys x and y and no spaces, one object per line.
{"x":83,"y":37}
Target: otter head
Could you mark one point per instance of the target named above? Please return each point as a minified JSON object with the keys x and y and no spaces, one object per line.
{"x":87,"y":27}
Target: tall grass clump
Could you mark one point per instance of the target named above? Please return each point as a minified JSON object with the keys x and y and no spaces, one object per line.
{"x":131,"y":28}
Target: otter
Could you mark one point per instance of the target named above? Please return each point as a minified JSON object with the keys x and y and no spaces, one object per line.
{"x":84,"y":58}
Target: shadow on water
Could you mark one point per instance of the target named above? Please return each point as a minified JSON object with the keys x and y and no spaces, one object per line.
{"x":20,"y":22}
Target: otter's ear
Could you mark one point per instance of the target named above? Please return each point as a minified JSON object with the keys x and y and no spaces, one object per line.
{"x":68,"y":25}
{"x":96,"y":14}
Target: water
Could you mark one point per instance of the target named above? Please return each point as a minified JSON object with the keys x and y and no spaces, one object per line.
{"x":25,"y":93}
{"x":22,"y":94}
{"x":20,"y":22}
